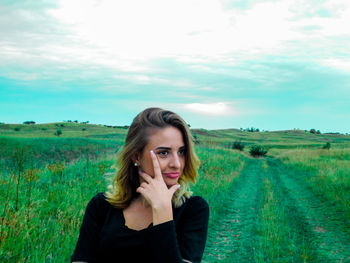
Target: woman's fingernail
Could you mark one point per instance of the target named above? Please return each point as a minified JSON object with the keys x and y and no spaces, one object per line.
{"x":178,"y":186}
{"x":152,"y":152}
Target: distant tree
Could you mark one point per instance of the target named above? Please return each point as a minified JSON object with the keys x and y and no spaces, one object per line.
{"x":318,"y":132}
{"x":58,"y":132}
{"x":62,"y":125}
{"x":75,"y":121}
{"x":313,"y":131}
{"x":17,"y":129}
{"x":83,"y":129}
{"x":327,"y":146}
{"x":69,"y":121}
{"x":252,"y":129}
{"x":29,"y":122}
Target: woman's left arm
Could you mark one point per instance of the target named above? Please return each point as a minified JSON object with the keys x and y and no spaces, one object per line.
{"x":187,"y":244}
{"x":167,"y":245}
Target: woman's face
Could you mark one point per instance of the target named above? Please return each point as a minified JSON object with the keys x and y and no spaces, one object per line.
{"x":168,"y":145}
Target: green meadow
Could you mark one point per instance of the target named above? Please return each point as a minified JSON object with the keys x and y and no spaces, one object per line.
{"x":292,"y":205}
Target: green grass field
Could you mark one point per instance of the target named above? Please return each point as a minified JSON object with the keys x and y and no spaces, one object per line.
{"x":291,"y":206}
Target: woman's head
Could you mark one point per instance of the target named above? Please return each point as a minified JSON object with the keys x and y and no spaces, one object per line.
{"x":168,"y":135}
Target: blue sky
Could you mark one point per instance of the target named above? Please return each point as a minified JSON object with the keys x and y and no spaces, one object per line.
{"x":273,"y":65}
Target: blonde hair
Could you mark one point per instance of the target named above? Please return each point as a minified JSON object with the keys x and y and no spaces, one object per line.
{"x":126,"y":180}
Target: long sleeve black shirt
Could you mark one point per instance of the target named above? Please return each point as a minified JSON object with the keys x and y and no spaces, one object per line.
{"x":104,"y":237}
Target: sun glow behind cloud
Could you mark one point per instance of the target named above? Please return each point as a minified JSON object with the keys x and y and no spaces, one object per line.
{"x":213,"y":109}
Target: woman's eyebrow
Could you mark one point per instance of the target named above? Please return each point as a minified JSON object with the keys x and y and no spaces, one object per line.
{"x":168,"y":148}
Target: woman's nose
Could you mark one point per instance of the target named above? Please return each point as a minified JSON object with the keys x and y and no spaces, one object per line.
{"x":175,"y":161}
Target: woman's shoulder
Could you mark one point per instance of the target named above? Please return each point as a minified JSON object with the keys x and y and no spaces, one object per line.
{"x":197,"y":200}
{"x":194,"y":211}
{"x":99,"y":198}
{"x":99,"y":202}
{"x":195,"y":204}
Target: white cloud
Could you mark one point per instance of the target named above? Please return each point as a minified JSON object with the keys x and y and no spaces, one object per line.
{"x":145,"y":79}
{"x":127,"y":35}
{"x":213,"y":109}
{"x":20,"y":75}
{"x":340,"y":64}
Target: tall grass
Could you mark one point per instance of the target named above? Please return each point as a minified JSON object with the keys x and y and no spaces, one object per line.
{"x":40,"y":152}
{"x":51,"y":204}
{"x":326,"y":172}
{"x":45,"y":226}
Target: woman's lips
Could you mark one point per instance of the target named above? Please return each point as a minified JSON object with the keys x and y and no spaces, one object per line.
{"x":172,"y":175}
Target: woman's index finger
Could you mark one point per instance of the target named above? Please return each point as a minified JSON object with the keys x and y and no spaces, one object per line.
{"x":156,"y":167}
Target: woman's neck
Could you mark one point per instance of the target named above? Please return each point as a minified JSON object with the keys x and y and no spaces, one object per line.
{"x":142,"y":201}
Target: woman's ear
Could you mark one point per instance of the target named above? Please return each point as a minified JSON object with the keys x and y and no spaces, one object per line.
{"x":135,"y":158}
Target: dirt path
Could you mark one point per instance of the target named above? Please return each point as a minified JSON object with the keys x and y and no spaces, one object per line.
{"x":316,"y":229}
{"x":312,"y":220}
{"x":232,"y":239}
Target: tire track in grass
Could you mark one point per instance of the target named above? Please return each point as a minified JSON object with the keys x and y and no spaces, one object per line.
{"x":313,"y":221}
{"x":234,"y":236}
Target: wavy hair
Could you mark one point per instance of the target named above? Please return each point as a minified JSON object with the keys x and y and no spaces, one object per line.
{"x":126,"y":179}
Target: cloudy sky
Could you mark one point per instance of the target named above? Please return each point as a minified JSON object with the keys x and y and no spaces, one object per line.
{"x":273,"y":65}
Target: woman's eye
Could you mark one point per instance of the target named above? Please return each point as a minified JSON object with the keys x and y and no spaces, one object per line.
{"x":165,"y":153}
{"x":182,"y":152}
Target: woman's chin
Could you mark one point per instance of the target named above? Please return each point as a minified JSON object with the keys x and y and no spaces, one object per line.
{"x":170,"y":182}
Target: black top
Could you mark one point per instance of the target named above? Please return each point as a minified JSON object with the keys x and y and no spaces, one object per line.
{"x":104,"y":237}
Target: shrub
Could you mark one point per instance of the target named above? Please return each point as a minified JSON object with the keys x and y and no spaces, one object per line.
{"x":195,"y":139}
{"x":257,"y":151}
{"x":43,"y":129}
{"x":83,"y":129}
{"x":313,"y":131}
{"x":29,"y":122}
{"x":17,"y":129}
{"x":238,"y":145}
{"x":327,"y":146}
{"x":58,"y":133}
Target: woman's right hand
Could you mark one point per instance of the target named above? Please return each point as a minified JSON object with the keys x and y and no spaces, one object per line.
{"x":154,"y":190}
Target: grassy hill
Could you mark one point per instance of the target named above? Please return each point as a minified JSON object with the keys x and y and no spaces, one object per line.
{"x":221,"y":137}
{"x":292,"y":206}
{"x":68,"y":129}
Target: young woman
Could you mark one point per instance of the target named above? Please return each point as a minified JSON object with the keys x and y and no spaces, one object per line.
{"x":149,"y":213}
